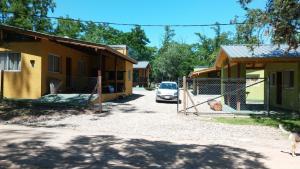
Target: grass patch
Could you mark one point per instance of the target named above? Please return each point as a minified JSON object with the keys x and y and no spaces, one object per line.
{"x":291,"y":122}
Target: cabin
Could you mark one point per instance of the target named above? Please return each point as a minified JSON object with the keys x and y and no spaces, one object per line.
{"x":141,"y":73}
{"x":276,"y":63}
{"x":205,"y":72}
{"x":34,"y":64}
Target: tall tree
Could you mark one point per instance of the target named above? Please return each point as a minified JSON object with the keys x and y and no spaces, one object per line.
{"x":68,"y":27}
{"x":29,"y":14}
{"x":176,"y":61}
{"x":138,"y":41}
{"x":280,"y":19}
{"x":207,"y":48}
{"x":167,"y":39}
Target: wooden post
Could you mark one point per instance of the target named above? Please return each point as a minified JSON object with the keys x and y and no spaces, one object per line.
{"x":2,"y":83}
{"x":192,"y":101}
{"x":184,"y":94}
{"x":100,"y":90}
{"x":116,"y":74}
{"x":228,"y":84}
{"x":238,"y":86}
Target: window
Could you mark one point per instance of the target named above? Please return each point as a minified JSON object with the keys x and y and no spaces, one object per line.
{"x":120,"y":75}
{"x":53,"y":63}
{"x":81,"y":67}
{"x":10,"y":61}
{"x":129,"y":75}
{"x":288,"y":79}
{"x":272,"y":79}
{"x":110,"y":75}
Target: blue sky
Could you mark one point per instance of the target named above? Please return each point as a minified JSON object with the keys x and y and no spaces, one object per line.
{"x":157,"y":12}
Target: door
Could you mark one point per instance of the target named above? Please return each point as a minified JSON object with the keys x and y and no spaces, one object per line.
{"x":68,"y":71}
{"x":279,"y":87}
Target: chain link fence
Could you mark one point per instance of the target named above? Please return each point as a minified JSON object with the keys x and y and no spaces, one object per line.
{"x":219,"y":95}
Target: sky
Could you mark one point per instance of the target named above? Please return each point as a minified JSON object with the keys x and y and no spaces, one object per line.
{"x":157,"y":12}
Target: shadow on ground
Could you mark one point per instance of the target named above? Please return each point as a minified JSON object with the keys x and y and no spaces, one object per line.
{"x":28,"y":110}
{"x":106,"y":151}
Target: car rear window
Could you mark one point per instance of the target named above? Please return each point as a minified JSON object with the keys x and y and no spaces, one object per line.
{"x":168,"y":86}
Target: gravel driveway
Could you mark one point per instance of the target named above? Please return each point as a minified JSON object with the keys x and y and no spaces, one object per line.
{"x":138,"y":132}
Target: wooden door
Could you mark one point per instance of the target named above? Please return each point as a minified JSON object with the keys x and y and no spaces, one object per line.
{"x":279,"y":87}
{"x":68,"y":71}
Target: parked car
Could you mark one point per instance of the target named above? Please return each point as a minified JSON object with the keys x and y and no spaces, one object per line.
{"x":167,"y":91}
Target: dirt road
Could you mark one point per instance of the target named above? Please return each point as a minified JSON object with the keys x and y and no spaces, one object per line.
{"x":140,"y":133}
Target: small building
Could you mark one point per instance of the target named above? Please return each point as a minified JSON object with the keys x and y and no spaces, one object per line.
{"x":280,"y":65}
{"x":205,"y":72}
{"x":31,"y":61}
{"x":141,"y":73}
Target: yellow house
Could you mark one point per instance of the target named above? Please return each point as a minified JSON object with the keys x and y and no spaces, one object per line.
{"x":280,"y":66}
{"x":31,"y":62}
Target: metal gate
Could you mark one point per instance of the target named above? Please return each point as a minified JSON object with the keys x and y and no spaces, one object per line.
{"x":223,"y":95}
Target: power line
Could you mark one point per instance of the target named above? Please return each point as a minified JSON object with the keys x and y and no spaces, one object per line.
{"x":130,"y":24}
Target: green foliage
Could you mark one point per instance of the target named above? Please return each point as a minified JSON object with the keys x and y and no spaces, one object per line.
{"x":167,"y":39}
{"x":280,"y":19}
{"x":28,"y":14}
{"x":67,"y":27}
{"x":136,"y":39}
{"x":290,"y":121}
{"x":176,"y":61}
{"x":207,"y":48}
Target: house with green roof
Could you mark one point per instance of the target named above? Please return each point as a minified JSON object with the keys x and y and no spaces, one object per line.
{"x":280,"y":65}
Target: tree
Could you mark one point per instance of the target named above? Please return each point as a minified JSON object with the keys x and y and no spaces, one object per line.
{"x":280,"y":19}
{"x":176,"y":61}
{"x":138,"y":41}
{"x":207,"y":48}
{"x":167,"y":39}
{"x":28,"y":14}
{"x":68,"y":27}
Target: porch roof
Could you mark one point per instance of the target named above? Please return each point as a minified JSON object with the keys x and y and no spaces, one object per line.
{"x":202,"y":71}
{"x":66,"y":41}
{"x":260,"y":53}
{"x":141,"y":65}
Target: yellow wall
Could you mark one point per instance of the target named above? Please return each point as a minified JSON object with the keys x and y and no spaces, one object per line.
{"x":128,"y":77}
{"x":27,"y":82}
{"x":63,"y":52}
{"x":33,"y":80}
{"x":290,"y":96}
{"x":123,"y":51}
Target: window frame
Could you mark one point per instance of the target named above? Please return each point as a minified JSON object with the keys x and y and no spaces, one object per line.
{"x":59,"y":63}
{"x":7,"y":61}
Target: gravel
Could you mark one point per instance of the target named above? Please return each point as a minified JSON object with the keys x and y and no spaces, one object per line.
{"x":141,"y":116}
{"x":140,"y":133}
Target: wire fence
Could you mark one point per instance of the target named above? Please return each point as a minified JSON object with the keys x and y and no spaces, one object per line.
{"x":219,"y":95}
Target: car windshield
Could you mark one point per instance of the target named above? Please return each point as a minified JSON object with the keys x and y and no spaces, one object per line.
{"x":168,"y":86}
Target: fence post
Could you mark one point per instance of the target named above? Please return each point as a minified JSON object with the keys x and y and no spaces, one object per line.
{"x":268,"y":95}
{"x":178,"y":92}
{"x":184,"y":94}
{"x":100,"y":90}
{"x":2,"y":83}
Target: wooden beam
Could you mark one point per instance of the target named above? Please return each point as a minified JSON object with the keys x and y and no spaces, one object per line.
{"x":238,"y":102}
{"x":100,"y":90}
{"x":116,"y":74}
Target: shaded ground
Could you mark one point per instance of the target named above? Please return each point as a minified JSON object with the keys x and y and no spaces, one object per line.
{"x":139,"y":133}
{"x":107,"y":151}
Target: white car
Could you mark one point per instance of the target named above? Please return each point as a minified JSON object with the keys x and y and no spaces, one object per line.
{"x":167,"y":91}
